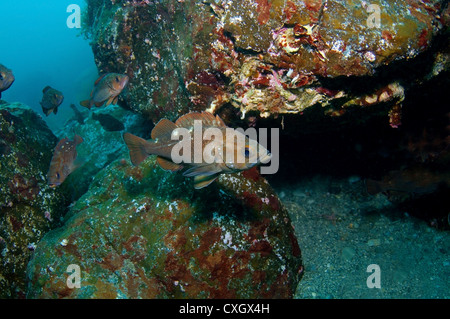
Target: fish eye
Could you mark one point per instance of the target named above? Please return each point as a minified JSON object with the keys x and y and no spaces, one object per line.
{"x":117,"y":79}
{"x":247,"y":152}
{"x":1,"y":76}
{"x":58,"y":176}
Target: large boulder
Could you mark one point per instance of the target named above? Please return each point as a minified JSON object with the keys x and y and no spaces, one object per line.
{"x":262,"y":57}
{"x":141,"y":232}
{"x":28,"y":206}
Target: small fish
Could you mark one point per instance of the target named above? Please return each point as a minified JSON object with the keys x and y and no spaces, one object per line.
{"x":205,"y":172}
{"x":108,"y":122}
{"x":6,"y":78}
{"x":64,"y":161}
{"x":51,"y":100}
{"x":78,"y":116}
{"x":106,"y":89}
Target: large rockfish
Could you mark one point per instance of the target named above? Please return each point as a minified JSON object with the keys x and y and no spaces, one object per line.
{"x":228,"y":152}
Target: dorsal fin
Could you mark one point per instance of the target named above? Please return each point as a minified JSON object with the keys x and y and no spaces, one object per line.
{"x":163,"y":128}
{"x":168,"y":165}
{"x":99,"y":79}
{"x":208,"y":119}
{"x":46,"y":89}
{"x":77,"y":139}
{"x":187,"y":120}
{"x":220,"y":122}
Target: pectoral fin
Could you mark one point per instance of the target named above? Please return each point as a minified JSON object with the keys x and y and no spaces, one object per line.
{"x":201,"y":181}
{"x":204,"y":170}
{"x":109,"y":101}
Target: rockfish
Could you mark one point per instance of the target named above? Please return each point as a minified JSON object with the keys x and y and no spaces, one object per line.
{"x":6,"y":78}
{"x":106,"y":88}
{"x":63,"y":161}
{"x":206,"y":157}
{"x":51,"y":100}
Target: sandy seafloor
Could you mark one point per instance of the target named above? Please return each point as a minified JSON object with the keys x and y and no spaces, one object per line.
{"x":342,"y":230}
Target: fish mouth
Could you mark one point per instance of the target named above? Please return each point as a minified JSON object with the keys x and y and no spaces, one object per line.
{"x":124,"y":81}
{"x":265,"y":158}
{"x":53,"y":185}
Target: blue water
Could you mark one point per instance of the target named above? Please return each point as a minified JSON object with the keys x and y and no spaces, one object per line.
{"x":40,"y":49}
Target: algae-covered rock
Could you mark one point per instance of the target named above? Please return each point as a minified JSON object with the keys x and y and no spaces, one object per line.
{"x":141,"y":232}
{"x":28,"y":207}
{"x":264,"y":57}
{"x":101,"y":130}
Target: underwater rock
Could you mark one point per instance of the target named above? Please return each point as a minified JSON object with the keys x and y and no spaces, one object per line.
{"x":141,"y":232}
{"x":102,"y":144}
{"x":262,"y":57}
{"x":28,"y":206}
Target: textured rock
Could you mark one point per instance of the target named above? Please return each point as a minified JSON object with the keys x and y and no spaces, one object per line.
{"x":100,"y":146}
{"x":28,"y":207}
{"x":141,"y":232}
{"x":263,"y":57}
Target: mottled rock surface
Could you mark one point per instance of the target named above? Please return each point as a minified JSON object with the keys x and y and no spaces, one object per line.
{"x":263,"y":57}
{"x":141,"y":232}
{"x":102,"y":142}
{"x":28,"y":207}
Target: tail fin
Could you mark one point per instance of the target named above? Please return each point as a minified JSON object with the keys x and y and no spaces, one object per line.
{"x":373,"y":187}
{"x":137,"y":148}
{"x":86,"y":103}
{"x":78,"y":139}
